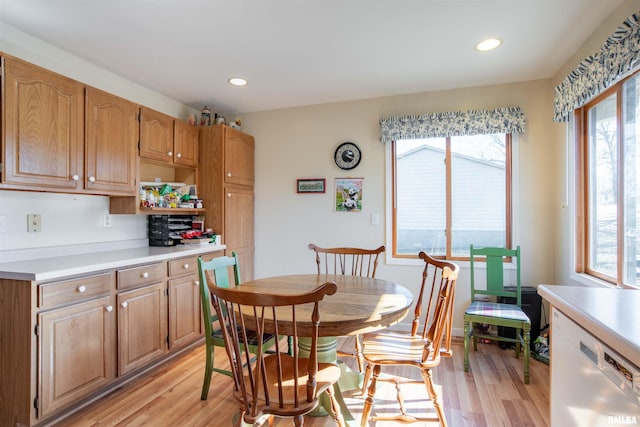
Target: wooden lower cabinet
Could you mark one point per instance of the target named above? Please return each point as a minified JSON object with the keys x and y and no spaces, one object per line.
{"x":66,"y":342}
{"x":77,"y":352}
{"x":184,"y":311}
{"x":142,"y":326}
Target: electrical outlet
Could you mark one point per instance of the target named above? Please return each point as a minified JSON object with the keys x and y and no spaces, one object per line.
{"x":106,"y":220}
{"x":34,"y":223}
{"x":3,"y":227}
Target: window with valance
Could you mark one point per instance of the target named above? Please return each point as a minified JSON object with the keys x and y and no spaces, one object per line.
{"x":457,"y":123}
{"x":616,"y":58}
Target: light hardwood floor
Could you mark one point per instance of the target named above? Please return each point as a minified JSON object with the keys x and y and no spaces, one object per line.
{"x":492,"y":394}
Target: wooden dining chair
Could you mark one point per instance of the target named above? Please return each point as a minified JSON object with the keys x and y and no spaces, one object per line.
{"x":278,"y":384}
{"x":348,"y":261}
{"x":218,"y":270}
{"x":494,"y":312}
{"x":421,"y":349}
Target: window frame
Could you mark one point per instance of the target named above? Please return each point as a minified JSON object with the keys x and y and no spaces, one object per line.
{"x":582,"y":239}
{"x":511,"y":154}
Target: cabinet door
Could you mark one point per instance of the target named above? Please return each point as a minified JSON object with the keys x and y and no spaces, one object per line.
{"x":156,"y":135}
{"x":185,"y":144}
{"x":184,"y":311}
{"x":111,"y":142}
{"x":43,"y":120}
{"x":238,"y":232}
{"x":142,"y":326}
{"x":77,"y":353}
{"x":238,"y":157}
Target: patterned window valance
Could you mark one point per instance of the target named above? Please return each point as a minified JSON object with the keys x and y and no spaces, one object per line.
{"x":455,"y":123}
{"x":597,"y":72}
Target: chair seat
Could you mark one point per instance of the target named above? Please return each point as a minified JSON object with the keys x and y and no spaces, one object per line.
{"x":394,"y":347}
{"x":492,"y":309}
{"x":327,"y":375}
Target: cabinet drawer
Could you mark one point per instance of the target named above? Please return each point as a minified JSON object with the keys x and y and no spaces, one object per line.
{"x":70,"y":291}
{"x":143,"y":275}
{"x":181,"y":266}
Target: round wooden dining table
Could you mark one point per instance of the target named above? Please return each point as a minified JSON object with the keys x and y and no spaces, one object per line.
{"x":361,"y":304}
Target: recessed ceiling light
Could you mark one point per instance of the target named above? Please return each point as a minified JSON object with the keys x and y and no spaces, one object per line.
{"x":237,"y":81}
{"x":488,"y":44}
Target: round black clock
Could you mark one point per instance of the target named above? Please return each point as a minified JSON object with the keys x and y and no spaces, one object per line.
{"x":347,"y":155}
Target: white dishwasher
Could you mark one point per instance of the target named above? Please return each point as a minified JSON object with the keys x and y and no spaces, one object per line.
{"x":592,"y":385}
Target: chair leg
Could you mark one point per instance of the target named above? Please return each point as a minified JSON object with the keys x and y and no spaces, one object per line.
{"x":365,"y":380}
{"x":368,"y":403}
{"x":335,"y":407}
{"x":435,"y":397}
{"x":518,"y":331}
{"x":358,"y":354}
{"x":208,"y":369}
{"x":527,"y":350}
{"x":466,"y":345}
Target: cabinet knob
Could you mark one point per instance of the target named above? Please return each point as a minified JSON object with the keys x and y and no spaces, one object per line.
{"x":81,"y":288}
{"x":75,"y":177}
{"x":228,"y":174}
{"x":178,"y":155}
{"x":124,"y":304}
{"x":196,"y":283}
{"x":228,"y":194}
{"x":92,"y":179}
{"x":145,"y":275}
{"x":109,"y":308}
{"x":170,"y":153}
{"x":185,"y":266}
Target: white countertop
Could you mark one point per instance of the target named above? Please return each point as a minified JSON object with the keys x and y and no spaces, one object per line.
{"x":611,"y":315}
{"x":62,"y":266}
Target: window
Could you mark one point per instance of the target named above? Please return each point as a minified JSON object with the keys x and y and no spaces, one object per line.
{"x":609,"y":184}
{"x":450,"y":192}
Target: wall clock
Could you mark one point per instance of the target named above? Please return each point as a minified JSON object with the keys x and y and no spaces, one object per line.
{"x":347,"y":155}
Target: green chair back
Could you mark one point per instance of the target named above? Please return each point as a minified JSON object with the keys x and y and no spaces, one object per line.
{"x":220,"y":268}
{"x":495,"y":261}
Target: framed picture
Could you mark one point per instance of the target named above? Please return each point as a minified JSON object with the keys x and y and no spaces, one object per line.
{"x":349,"y":194}
{"x":314,"y":185}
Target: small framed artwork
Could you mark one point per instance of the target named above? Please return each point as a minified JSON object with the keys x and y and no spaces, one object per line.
{"x":349,"y":194}
{"x":314,"y":185}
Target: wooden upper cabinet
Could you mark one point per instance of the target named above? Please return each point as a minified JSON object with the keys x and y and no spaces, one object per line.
{"x":167,"y":140}
{"x":111,"y":143}
{"x":238,"y":158}
{"x":156,"y":135}
{"x":186,"y":144}
{"x":43,"y":120}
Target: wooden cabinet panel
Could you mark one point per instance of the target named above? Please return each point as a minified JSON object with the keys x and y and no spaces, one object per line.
{"x":238,"y":211}
{"x":142,"y":326}
{"x":77,"y":352}
{"x":43,"y":127}
{"x":184,"y":311}
{"x":187,"y":265}
{"x":225,"y":184}
{"x":185,"y":144}
{"x":239,"y":157}
{"x":74,"y":290}
{"x":156,"y":135}
{"x":111,"y":143}
{"x":142,"y":275}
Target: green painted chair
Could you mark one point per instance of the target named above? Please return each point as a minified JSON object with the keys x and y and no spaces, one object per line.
{"x":219,"y":269}
{"x":492,"y":312}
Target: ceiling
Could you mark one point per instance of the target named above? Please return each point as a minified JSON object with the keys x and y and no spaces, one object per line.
{"x":305,"y":52}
